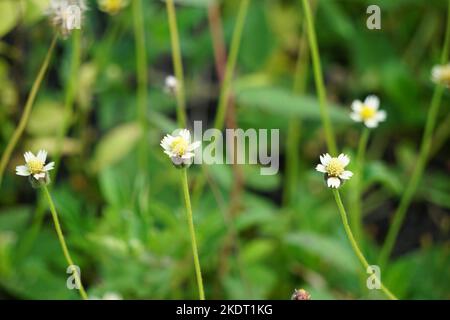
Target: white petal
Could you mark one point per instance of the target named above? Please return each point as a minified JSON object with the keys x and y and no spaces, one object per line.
{"x":372,"y":101}
{"x":49,"y":166}
{"x":194,"y":145}
{"x":371,"y":123}
{"x":28,"y":156}
{"x":22,"y":171}
{"x":187,"y":155}
{"x":321,"y":168}
{"x":355,"y":117}
{"x":185,"y":134}
{"x":325,"y":159}
{"x":333,"y":182}
{"x":169,"y":153}
{"x":380,"y":115}
{"x":42,"y":155}
{"x":346,"y":175}
{"x":37,"y":176}
{"x":356,"y":106}
{"x":345,"y":160}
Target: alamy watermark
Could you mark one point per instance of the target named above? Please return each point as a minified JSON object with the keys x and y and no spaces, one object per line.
{"x":374,"y":280}
{"x":374,"y":20}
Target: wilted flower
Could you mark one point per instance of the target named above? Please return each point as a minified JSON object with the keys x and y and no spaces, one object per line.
{"x":112,"y":6}
{"x":35,"y":167}
{"x":179,"y":147}
{"x":66,"y":15}
{"x":300,"y":294}
{"x":334,"y":169}
{"x":368,"y":111}
{"x":440,"y":74}
{"x":171,"y":84}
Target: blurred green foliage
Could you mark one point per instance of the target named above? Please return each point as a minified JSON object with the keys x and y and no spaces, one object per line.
{"x":136,"y":243}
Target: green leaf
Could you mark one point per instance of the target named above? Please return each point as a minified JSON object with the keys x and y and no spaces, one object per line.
{"x":9,"y":15}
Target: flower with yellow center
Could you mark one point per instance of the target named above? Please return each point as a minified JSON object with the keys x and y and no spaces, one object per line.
{"x":35,"y":166}
{"x":179,"y":147}
{"x":368,"y":112}
{"x":334,"y":169}
{"x":112,"y":6}
{"x":66,"y":15}
{"x":440,"y":74}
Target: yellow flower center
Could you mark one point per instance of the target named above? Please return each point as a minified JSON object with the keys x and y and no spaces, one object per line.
{"x":113,"y":6}
{"x":334,"y":167}
{"x":179,"y":146}
{"x":35,"y":166}
{"x":367,"y":112}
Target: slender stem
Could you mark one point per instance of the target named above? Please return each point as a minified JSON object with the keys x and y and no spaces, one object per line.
{"x":142,"y":79}
{"x":318,"y":77}
{"x":177,"y":63}
{"x":63,"y":242}
{"x":70,"y":93}
{"x":27,"y":110}
{"x":424,"y":152}
{"x":187,"y":200}
{"x":231,"y":64}
{"x":355,"y":212}
{"x":353,"y":242}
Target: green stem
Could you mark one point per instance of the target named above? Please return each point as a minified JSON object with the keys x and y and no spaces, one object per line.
{"x":231,"y":64}
{"x":187,"y":200}
{"x":177,"y":63}
{"x":142,"y":79}
{"x":405,"y":201}
{"x":353,"y":242}
{"x":63,"y":242}
{"x":355,"y":212}
{"x":27,"y":110}
{"x":318,"y":77}
{"x":70,"y":93}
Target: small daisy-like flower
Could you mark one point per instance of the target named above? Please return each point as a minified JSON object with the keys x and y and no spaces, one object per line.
{"x":300,"y":294}
{"x":440,"y":74}
{"x":171,"y":84}
{"x":112,"y":6}
{"x":334,"y":169}
{"x":66,"y":15}
{"x":368,"y":112}
{"x":179,"y":147}
{"x":35,"y":166}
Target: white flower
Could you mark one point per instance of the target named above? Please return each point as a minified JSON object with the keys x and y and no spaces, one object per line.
{"x":179,"y":147}
{"x":66,"y":15}
{"x":112,"y":6}
{"x":368,"y":112}
{"x":35,"y":166}
{"x":171,"y":84}
{"x":440,"y":74}
{"x":334,"y":169}
{"x":108,"y":296}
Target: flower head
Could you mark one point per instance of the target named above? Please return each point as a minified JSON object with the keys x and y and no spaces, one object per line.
{"x":112,"y":6}
{"x":66,"y":15}
{"x":179,"y":147}
{"x":171,"y":84}
{"x":35,"y":167}
{"x":334,"y":169}
{"x":368,"y":112}
{"x":440,"y":74}
{"x":300,"y":294}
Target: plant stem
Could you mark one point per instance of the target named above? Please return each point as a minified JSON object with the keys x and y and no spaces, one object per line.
{"x":63,"y":242}
{"x":318,"y":77}
{"x":353,"y":242}
{"x":27,"y":110}
{"x":405,"y":201}
{"x":187,"y":200}
{"x":231,"y":64}
{"x":177,"y":63}
{"x":142,"y":79}
{"x":70,"y":93}
{"x":355,"y":212}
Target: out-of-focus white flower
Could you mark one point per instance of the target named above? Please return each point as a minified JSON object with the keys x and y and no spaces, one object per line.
{"x":66,"y":15}
{"x":171,"y":84}
{"x":334,"y":169}
{"x":368,"y":112}
{"x":108,"y":296}
{"x":35,"y":166}
{"x":440,"y":74}
{"x":179,"y":147}
{"x":112,"y":6}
